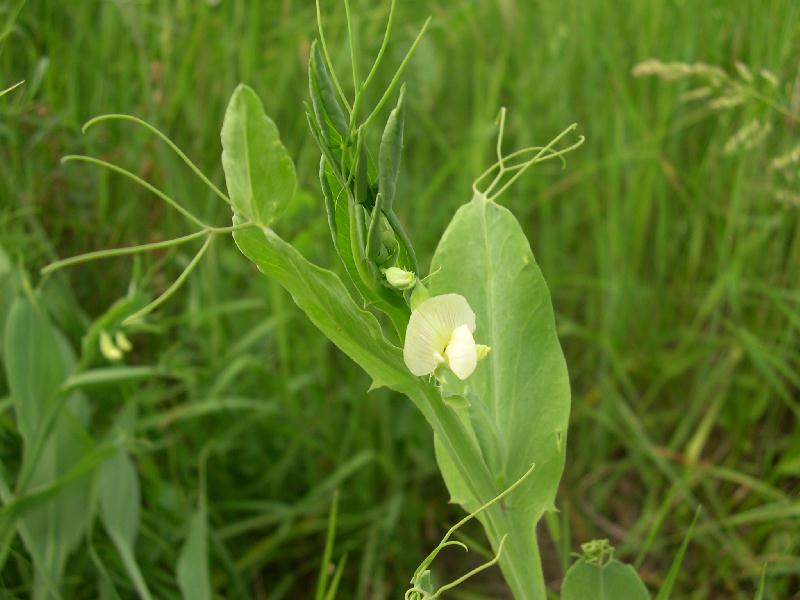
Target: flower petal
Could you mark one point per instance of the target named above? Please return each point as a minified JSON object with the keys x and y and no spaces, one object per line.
{"x":431,"y":328}
{"x":462,"y":353}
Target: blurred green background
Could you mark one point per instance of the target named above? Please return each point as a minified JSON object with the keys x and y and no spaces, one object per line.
{"x":674,"y":267}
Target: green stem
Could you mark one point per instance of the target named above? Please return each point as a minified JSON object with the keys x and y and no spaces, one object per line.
{"x":351,"y":37}
{"x":395,"y":80}
{"x":112,"y":252}
{"x":378,"y":60}
{"x":520,"y":561}
{"x":382,"y":298}
{"x":172,"y":145}
{"x":13,"y":87}
{"x":100,"y":254}
{"x":328,"y":61}
{"x":175,"y":285}
{"x":140,"y":181}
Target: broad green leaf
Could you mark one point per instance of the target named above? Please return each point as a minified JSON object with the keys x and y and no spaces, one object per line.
{"x":390,"y":152}
{"x":519,"y":395}
{"x":523,"y":384}
{"x":8,"y":291}
{"x":119,"y":497}
{"x":323,"y":297}
{"x":56,"y":442}
{"x":258,"y":170}
{"x":34,"y":365}
{"x":193,"y":577}
{"x":612,"y":581}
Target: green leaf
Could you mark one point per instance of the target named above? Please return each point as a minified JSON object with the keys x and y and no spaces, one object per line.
{"x":520,"y":393}
{"x":56,"y":444}
{"x":327,"y":110}
{"x":34,"y":365}
{"x":119,"y":508}
{"x":612,"y":581}
{"x":330,"y":201}
{"x":390,"y":152}
{"x":193,"y":576}
{"x":323,"y":297}
{"x":665,"y":592}
{"x":258,"y":171}
{"x":120,"y":497}
{"x":322,"y":578}
{"x":106,"y":376}
{"x":326,"y":301}
{"x":8,"y":291}
{"x":523,"y":383}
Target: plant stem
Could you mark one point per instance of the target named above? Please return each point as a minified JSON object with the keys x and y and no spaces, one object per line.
{"x":520,"y":561}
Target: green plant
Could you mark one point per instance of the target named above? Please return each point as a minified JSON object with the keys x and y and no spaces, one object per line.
{"x":491,"y":427}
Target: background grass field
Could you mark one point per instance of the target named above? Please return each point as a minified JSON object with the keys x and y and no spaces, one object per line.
{"x":674,"y":268}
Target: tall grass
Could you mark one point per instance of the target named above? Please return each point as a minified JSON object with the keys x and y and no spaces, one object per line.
{"x":673,"y":266}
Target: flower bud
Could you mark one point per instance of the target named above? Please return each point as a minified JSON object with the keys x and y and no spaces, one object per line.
{"x":483,"y":351}
{"x":400,"y":279}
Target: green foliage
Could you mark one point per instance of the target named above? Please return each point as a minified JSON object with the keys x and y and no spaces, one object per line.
{"x":610,"y":581}
{"x":671,"y":263}
{"x":52,"y":425}
{"x":259,"y":172}
{"x":519,"y":404}
{"x":325,"y":300}
{"x":35,"y":368}
{"x":193,"y":575}
{"x":120,"y":501}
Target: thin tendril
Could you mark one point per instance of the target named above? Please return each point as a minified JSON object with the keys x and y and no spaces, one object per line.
{"x":378,"y":60}
{"x":328,"y":61}
{"x":429,"y":559}
{"x":351,"y":38}
{"x":474,"y":571}
{"x":543,"y":153}
{"x":127,"y":251}
{"x":538,"y":158}
{"x":417,"y":593}
{"x":174,"y":147}
{"x":100,"y":254}
{"x":384,"y":45}
{"x":506,"y":169}
{"x":140,"y":181}
{"x":397,"y":75}
{"x":500,"y":135}
{"x":175,"y":285}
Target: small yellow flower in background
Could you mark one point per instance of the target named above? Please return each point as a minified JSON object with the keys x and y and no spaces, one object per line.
{"x":439,"y":334}
{"x":122,"y":341}
{"x":107,"y":347}
{"x":114,"y":349}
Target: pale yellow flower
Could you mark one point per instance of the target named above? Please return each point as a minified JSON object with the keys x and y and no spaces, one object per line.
{"x":439,"y":334}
